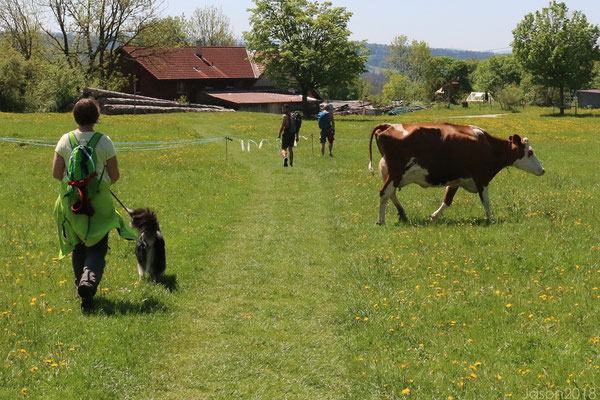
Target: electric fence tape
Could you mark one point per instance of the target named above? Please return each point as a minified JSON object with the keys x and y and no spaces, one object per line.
{"x":162,"y":145}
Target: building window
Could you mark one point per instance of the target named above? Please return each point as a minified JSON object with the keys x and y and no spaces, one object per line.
{"x":181,"y":89}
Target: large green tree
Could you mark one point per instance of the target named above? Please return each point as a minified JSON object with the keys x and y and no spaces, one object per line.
{"x":558,"y":48}
{"x":305,"y":45}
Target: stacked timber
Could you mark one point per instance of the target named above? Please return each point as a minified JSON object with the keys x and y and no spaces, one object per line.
{"x":114,"y":103}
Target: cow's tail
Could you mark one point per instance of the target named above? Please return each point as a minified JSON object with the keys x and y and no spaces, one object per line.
{"x":376,"y":131}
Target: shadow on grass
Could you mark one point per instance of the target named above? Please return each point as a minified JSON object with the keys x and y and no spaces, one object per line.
{"x":168,"y":281}
{"x":426,"y":221}
{"x":109,"y":306}
{"x":581,"y":114}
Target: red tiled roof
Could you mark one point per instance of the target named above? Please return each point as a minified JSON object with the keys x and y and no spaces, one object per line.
{"x":257,"y":97}
{"x":183,"y":63}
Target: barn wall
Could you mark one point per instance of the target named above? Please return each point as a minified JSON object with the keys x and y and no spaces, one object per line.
{"x":588,"y":100}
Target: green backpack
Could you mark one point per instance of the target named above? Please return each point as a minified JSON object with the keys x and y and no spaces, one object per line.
{"x":81,"y":171}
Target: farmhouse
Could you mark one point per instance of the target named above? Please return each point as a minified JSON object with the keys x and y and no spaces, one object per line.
{"x":223,"y":76}
{"x":588,"y":98}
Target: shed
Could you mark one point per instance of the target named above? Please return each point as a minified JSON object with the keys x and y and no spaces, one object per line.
{"x":588,"y":98}
{"x":256,"y":101}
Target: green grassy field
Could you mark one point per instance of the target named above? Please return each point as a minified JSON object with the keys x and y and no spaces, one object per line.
{"x":281,"y":286}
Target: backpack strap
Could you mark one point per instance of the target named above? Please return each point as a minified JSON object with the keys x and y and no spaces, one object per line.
{"x":92,"y":143}
{"x":95,"y":139}
{"x":73,"y":140}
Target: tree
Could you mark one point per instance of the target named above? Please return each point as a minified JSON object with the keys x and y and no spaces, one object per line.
{"x":496,"y":72}
{"x":397,"y":88}
{"x":14,"y":70}
{"x":557,"y":48}
{"x":165,"y":32}
{"x":305,"y":45}
{"x":442,"y":71}
{"x":210,"y":27}
{"x":19,"y":25}
{"x":409,"y":59}
{"x":91,"y":31}
{"x":595,"y":83}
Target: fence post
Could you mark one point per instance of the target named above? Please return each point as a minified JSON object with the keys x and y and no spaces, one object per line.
{"x":227,"y":139}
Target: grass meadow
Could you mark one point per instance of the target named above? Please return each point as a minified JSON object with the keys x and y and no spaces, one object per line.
{"x":279,"y":283}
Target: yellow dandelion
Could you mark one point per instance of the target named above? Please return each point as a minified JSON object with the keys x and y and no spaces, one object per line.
{"x":24,"y":391}
{"x":54,"y":365}
{"x":34,"y":369}
{"x":406,"y":391}
{"x":508,"y":305}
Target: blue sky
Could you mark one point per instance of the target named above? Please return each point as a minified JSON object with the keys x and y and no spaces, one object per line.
{"x":459,"y":24}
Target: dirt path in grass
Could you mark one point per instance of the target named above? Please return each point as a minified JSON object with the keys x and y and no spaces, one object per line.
{"x":262,"y":321}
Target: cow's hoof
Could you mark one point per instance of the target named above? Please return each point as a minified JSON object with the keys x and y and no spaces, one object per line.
{"x":379,"y":223}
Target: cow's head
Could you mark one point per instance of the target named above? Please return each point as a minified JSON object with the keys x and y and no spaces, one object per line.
{"x":526,"y":159}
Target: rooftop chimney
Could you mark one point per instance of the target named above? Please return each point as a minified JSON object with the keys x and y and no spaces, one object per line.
{"x":199,"y":48}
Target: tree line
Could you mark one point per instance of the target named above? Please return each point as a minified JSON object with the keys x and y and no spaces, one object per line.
{"x":53,"y":48}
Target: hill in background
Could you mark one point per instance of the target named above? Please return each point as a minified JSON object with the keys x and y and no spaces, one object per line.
{"x":380,"y":53}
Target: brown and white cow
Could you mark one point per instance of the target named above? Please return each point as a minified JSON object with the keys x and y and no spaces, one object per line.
{"x":441,"y":154}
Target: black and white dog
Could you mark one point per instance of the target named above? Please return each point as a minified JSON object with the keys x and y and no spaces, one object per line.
{"x":150,"y":249}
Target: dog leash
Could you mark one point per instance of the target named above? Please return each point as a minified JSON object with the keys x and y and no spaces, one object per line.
{"x":119,"y":201}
